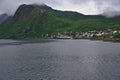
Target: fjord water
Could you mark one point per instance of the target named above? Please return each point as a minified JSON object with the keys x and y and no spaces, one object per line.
{"x":59,"y":60}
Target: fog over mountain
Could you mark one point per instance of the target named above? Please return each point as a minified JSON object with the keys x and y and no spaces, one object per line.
{"x":3,"y":17}
{"x":109,"y":8}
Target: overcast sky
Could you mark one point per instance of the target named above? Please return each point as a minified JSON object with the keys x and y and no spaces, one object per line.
{"x":88,"y":7}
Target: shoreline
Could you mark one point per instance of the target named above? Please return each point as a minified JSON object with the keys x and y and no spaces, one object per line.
{"x":108,"y":39}
{"x":92,"y":39}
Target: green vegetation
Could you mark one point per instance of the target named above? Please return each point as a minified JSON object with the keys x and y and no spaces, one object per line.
{"x":37,"y":23}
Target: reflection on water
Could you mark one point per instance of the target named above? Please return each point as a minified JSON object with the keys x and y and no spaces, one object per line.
{"x":59,"y":60}
{"x":20,"y":42}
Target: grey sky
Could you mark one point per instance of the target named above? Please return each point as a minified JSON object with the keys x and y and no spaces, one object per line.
{"x":88,"y":7}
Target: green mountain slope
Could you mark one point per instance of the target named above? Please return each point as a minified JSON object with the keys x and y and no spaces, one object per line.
{"x":34,"y":25}
{"x":34,"y":21}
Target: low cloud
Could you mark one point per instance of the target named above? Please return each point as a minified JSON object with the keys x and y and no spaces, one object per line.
{"x":109,"y":8}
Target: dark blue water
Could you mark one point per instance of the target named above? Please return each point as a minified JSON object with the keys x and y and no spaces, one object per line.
{"x":59,"y":60}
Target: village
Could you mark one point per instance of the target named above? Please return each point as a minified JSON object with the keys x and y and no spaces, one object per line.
{"x":84,"y":34}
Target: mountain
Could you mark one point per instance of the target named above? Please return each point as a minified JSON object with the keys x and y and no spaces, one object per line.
{"x":3,"y":17}
{"x":35,"y":21}
{"x":25,"y":10}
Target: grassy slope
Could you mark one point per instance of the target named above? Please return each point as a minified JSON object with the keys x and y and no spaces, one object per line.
{"x":85,"y":23}
{"x":34,"y":25}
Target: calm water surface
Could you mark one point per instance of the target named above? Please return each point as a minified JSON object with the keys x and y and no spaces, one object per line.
{"x":59,"y":60}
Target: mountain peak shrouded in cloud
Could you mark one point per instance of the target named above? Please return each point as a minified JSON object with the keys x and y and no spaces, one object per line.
{"x":42,"y":6}
{"x":108,"y":8}
{"x":3,"y":17}
{"x":26,"y":9}
{"x":87,"y":7}
{"x":110,"y":14}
